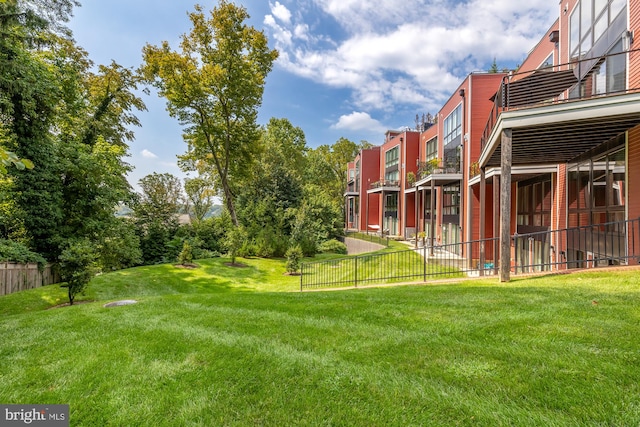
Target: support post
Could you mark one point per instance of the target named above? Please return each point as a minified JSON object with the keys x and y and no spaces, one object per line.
{"x":505,"y":206}
{"x":432,"y":217}
{"x":483,"y":218}
{"x":417,"y":220}
{"x":496,"y":222}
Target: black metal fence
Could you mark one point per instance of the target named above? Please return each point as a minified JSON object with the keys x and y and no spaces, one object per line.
{"x":417,"y":264}
{"x":598,"y":245}
{"x":607,"y":244}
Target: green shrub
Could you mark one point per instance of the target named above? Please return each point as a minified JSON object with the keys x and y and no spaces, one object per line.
{"x":17,"y":252}
{"x":294,"y":255}
{"x":186,"y":255}
{"x":333,"y":246}
{"x":235,"y":240}
{"x":77,"y":267}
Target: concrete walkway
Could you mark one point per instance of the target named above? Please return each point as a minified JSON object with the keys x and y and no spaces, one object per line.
{"x":357,"y":246}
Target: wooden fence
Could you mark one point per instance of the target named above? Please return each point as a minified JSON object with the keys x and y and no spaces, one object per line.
{"x":16,"y":277}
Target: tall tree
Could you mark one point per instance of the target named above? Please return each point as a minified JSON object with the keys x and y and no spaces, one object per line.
{"x":200,"y":196}
{"x":27,"y":104}
{"x":161,"y":198}
{"x":214,"y":87}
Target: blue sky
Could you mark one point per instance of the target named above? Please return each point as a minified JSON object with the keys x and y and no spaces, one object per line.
{"x":347,"y":68}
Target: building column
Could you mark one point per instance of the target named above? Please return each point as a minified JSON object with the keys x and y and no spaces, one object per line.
{"x":366,"y":220}
{"x":505,"y":206}
{"x":432,"y":216}
{"x":417,"y":219}
{"x":496,"y":221}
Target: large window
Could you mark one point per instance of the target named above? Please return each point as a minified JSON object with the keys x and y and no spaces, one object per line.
{"x":611,"y":75}
{"x":392,"y":157}
{"x":534,"y":203}
{"x":453,"y":125}
{"x":393,"y":175}
{"x":432,"y":149}
{"x":451,"y":200}
{"x":453,"y":140}
{"x":589,"y":21}
{"x":597,"y":190}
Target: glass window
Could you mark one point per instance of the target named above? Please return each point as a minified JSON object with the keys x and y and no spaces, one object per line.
{"x":600,"y":27}
{"x":392,"y":157}
{"x":585,"y":24}
{"x":547,"y":62}
{"x":432,"y":149}
{"x":616,"y":7}
{"x":589,"y":21}
{"x":453,"y":125}
{"x":392,"y":175}
{"x":617,"y":70}
{"x":575,"y":32}
{"x":599,"y":5}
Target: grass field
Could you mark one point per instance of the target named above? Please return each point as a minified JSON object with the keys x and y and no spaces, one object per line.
{"x":220,"y":345}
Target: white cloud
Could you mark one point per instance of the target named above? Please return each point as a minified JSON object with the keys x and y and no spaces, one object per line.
{"x":359,"y":121}
{"x":281,"y":12}
{"x":405,"y":51}
{"x":148,"y":154}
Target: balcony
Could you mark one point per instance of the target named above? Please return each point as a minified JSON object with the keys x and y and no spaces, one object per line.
{"x":385,"y":185}
{"x":558,"y":113}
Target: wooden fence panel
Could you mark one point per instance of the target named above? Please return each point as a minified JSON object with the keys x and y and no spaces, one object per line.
{"x":16,"y":277}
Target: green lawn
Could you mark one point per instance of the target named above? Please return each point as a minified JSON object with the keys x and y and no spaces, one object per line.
{"x":226,"y":346}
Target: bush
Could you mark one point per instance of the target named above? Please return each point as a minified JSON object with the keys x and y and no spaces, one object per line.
{"x":333,"y":246}
{"x":119,"y":247}
{"x":17,"y":252}
{"x":77,"y":267}
{"x":293,"y":255}
{"x":186,"y":256}
{"x":234,"y":241}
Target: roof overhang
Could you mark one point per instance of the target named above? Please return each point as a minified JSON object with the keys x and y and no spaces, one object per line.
{"x":559,"y":133}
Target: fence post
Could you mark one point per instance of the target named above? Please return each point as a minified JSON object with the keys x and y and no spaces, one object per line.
{"x":301,"y":275}
{"x":424,"y":262}
{"x":355,"y":272}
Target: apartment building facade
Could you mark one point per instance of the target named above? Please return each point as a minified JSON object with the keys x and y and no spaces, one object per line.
{"x":560,"y":150}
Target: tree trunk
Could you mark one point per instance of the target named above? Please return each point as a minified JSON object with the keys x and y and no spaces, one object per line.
{"x":228,"y":200}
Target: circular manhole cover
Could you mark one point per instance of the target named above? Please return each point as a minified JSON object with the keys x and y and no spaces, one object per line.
{"x":119,"y":303}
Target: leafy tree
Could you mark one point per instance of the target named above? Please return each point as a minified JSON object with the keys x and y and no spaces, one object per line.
{"x":200,"y":195}
{"x":318,"y":219}
{"x":234,"y":240}
{"x":77,"y":267}
{"x":328,"y":166}
{"x":119,"y":246}
{"x":294,"y":255}
{"x":214,"y":87}
{"x":273,"y":187}
{"x":160,"y":200}
{"x":71,"y":123}
{"x":155,"y":213}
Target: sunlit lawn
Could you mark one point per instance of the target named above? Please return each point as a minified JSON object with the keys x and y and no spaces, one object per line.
{"x":221,"y":345}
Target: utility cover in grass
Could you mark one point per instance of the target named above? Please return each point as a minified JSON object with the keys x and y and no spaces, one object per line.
{"x":121,"y":302}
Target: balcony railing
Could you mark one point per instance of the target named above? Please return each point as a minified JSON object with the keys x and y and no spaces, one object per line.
{"x":558,"y":84}
{"x":385,"y":183}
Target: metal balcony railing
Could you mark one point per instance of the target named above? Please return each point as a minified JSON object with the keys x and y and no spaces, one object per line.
{"x":575,"y":81}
